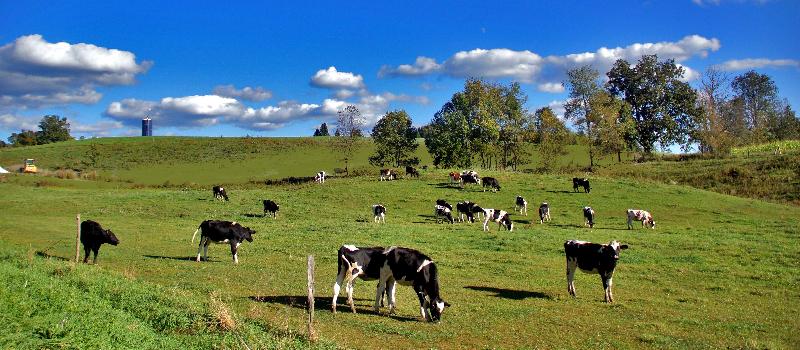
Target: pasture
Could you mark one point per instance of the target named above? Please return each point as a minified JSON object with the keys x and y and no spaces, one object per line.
{"x":718,"y":271}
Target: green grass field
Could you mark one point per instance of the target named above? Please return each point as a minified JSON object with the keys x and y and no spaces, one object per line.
{"x":718,"y":271}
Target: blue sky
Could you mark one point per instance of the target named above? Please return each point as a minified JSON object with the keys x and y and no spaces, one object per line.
{"x":237,"y":68}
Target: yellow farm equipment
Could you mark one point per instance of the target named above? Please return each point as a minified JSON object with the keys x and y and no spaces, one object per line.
{"x":29,"y":167}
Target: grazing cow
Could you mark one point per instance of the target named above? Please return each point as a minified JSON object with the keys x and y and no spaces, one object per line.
{"x":357,"y":262}
{"x":388,"y":174}
{"x":469,"y":172}
{"x":271,"y":207}
{"x":581,"y":182}
{"x":588,"y":216}
{"x":592,"y":258}
{"x":320,"y":177}
{"x":220,"y":232}
{"x":467,"y":209}
{"x":443,"y":213}
{"x":470,"y":179}
{"x":501,"y":217}
{"x":640,"y":215}
{"x":520,"y":205}
{"x":455,"y":178}
{"x":93,"y":236}
{"x":544,"y":212}
{"x":444,"y":203}
{"x":411,"y":171}
{"x":379,"y":211}
{"x":490,"y":182}
{"x":411,"y":267}
{"x":219,"y":193}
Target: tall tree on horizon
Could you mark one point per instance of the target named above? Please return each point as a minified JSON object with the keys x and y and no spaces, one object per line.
{"x":583,"y":84}
{"x":348,"y":131}
{"x":395,"y":140}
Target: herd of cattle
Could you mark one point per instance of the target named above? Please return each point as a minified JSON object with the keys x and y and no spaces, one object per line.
{"x":406,"y":266}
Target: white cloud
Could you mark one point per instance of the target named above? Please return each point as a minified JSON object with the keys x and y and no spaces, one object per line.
{"x":553,"y":88}
{"x":255,"y":94}
{"x":558,"y":108}
{"x":718,"y":2}
{"x":752,"y":63}
{"x":35,"y":73}
{"x":101,"y":128}
{"x":422,"y":65}
{"x":16,"y":123}
{"x":333,"y":79}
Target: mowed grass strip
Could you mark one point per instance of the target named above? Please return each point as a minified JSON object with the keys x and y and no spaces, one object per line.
{"x":718,"y":271}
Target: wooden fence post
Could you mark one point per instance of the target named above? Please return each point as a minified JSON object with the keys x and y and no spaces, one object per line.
{"x":312,"y":336}
{"x":78,"y":239}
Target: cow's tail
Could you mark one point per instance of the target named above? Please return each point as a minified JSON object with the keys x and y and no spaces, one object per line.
{"x":195,"y":234}
{"x":349,"y":272}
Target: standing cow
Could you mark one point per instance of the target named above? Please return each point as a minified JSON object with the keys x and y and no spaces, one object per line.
{"x":387,"y":175}
{"x":93,"y":236}
{"x":501,"y":217}
{"x":443,"y":213}
{"x":379,"y":213}
{"x":357,"y":262}
{"x":581,"y":182}
{"x":521,"y":205}
{"x":320,"y":177}
{"x":411,"y":171}
{"x":592,"y":258}
{"x":544,"y":212}
{"x":271,"y":208}
{"x":411,"y":267}
{"x":588,"y":216}
{"x":220,"y":232}
{"x":640,"y":215}
{"x":491,"y":183}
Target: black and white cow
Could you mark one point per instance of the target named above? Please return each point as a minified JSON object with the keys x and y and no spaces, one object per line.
{"x":93,"y":236}
{"x":492,"y":183}
{"x":520,"y":205}
{"x":544,"y":212}
{"x":357,"y":262}
{"x":220,"y":232}
{"x":470,"y":179}
{"x":320,"y":177}
{"x":379,"y":213}
{"x":411,"y":171}
{"x":219,"y":193}
{"x":588,"y":216}
{"x":271,"y":207}
{"x":501,"y":217}
{"x":467,"y":209}
{"x":581,"y":182}
{"x":640,"y":215}
{"x":592,"y":258}
{"x":411,"y":267}
{"x":443,"y":213}
{"x":388,"y":174}
{"x":444,"y":203}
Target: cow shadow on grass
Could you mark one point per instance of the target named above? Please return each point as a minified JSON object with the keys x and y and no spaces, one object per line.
{"x":446,"y":185}
{"x":511,"y":293}
{"x":555,"y":191}
{"x":323,"y":304}
{"x":251,"y":215}
{"x":179,"y":258}
{"x":46,"y":255}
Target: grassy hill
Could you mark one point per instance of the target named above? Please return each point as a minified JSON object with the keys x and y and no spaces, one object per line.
{"x":717,"y":272}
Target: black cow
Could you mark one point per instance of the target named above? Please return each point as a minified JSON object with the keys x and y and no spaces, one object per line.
{"x":411,"y":171}
{"x":219,"y":193}
{"x":588,"y":215}
{"x":411,"y":267}
{"x":492,"y":183}
{"x":592,"y":258}
{"x":581,"y":182}
{"x":467,"y":209}
{"x":544,"y":212}
{"x":379,"y":211}
{"x":93,"y":236}
{"x":218,"y":231}
{"x":357,"y":262}
{"x":521,"y":205}
{"x":443,"y":213}
{"x":444,"y":203}
{"x":271,"y":207}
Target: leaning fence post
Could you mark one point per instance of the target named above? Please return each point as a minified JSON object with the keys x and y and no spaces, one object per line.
{"x":78,"y":238}
{"x":311,"y":333}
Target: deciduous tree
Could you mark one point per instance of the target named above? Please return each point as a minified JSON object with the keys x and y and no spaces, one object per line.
{"x":395,"y":140}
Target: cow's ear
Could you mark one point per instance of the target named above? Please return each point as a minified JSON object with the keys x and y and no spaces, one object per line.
{"x":624,"y":246}
{"x":446,"y":304}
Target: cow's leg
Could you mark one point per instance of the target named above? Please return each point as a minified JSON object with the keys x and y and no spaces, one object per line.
{"x":206,"y":243}
{"x":391,"y":295}
{"x":610,"y":294}
{"x":572,"y":264}
{"x":200,"y":248}
{"x":422,"y":302}
{"x":95,"y":250}
{"x":336,"y":287}
{"x":486,"y":224}
{"x":86,"y":251}
{"x":606,"y":288}
{"x":380,"y":289}
{"x":349,"y":288}
{"x":235,"y":251}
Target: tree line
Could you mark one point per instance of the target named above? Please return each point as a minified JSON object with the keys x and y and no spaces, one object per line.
{"x":52,"y":128}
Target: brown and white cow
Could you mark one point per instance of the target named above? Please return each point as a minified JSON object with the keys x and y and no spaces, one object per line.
{"x":640,"y":215}
{"x":388,"y":174}
{"x":592,"y":258}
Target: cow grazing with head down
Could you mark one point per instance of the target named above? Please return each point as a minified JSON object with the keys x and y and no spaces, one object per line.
{"x":588,"y":216}
{"x":221,"y":232}
{"x":469,"y":179}
{"x":544,"y":212}
{"x":411,"y":171}
{"x":93,"y":236}
{"x":443,"y":213}
{"x":467,"y":209}
{"x":490,"y":182}
{"x":411,"y":267}
{"x":357,"y":262}
{"x":520,"y":205}
{"x":271,"y":207}
{"x":501,"y":217}
{"x":379,"y":213}
{"x":592,"y":258}
{"x":320,"y":177}
{"x":219,"y":193}
{"x":388,"y":174}
{"x":640,"y":215}
{"x":444,"y":203}
{"x":581,"y":182}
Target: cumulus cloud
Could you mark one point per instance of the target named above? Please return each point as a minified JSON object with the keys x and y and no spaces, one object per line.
{"x":102,"y":128}
{"x":753,"y":63}
{"x":247,"y":93}
{"x":554,"y":88}
{"x":35,"y":73}
{"x":332,"y":79}
{"x":16,"y":123}
{"x":547,"y":71}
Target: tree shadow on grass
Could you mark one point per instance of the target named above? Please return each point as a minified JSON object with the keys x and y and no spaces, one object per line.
{"x":511,"y":293}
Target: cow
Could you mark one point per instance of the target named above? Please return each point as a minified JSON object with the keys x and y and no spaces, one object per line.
{"x":501,"y":217}
{"x":379,"y":212}
{"x":470,"y":179}
{"x":444,"y":203}
{"x":411,"y":267}
{"x":455,"y":178}
{"x":219,"y":193}
{"x":581,"y":182}
{"x":492,"y":183}
{"x":467,"y":209}
{"x":520,"y":205}
{"x":544,"y":212}
{"x":357,"y":262}
{"x":411,"y":171}
{"x":93,"y":236}
{"x":592,"y":258}
{"x":588,"y":216}
{"x":220,"y":232}
{"x":443,"y":213}
{"x":388,"y":174}
{"x":320,"y":177}
{"x":640,"y":215}
{"x":271,"y":207}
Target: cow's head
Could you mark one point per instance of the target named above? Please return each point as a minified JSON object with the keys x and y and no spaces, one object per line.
{"x":612,"y":250}
{"x":246,"y":233}
{"x":506,"y":221}
{"x":110,"y":237}
{"x":436,"y":308}
{"x":652,"y":223}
